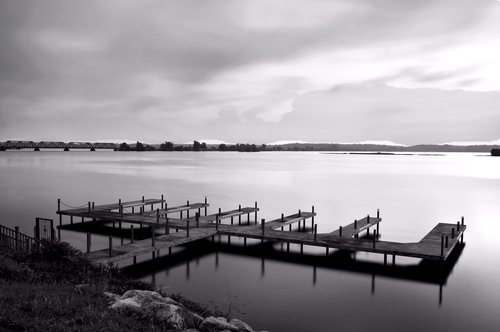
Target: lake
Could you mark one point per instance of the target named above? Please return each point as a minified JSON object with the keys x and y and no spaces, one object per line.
{"x":261,"y":284}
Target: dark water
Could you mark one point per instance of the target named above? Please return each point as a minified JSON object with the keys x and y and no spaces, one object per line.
{"x":262,"y":284}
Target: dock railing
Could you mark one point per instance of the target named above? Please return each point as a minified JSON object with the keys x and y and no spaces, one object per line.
{"x":18,"y":241}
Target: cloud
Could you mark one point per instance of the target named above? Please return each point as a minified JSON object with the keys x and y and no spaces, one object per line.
{"x":85,"y":67}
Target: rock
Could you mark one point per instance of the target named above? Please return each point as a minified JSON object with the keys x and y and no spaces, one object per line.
{"x":212,"y":323}
{"x":153,"y":304}
{"x":240,"y":325}
{"x":111,"y":296}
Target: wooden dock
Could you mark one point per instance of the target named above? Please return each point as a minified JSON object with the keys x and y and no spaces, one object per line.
{"x":191,"y":226}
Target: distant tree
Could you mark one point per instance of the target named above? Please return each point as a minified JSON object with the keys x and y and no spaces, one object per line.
{"x":263,"y":147}
{"x":203,"y":146}
{"x":150,"y":148}
{"x":167,"y":146}
{"x":124,"y":147}
{"x":139,"y":146}
{"x":495,"y":152}
{"x":196,"y":146}
{"x":178,"y":148}
{"x":222,"y":147}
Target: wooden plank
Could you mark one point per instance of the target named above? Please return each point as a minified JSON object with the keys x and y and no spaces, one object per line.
{"x":145,"y":246}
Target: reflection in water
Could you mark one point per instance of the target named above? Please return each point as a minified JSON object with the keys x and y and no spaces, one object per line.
{"x":428,"y":272}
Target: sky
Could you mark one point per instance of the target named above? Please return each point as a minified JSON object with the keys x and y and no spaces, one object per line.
{"x":259,"y":71}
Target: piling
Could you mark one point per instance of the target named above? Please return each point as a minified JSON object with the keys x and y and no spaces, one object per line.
{"x":110,"y":245}
{"x":197,"y":217}
{"x":88,"y":242}
{"x":162,"y":202}
{"x":442,"y":245}
{"x":462,"y":221}
{"x":458,"y":226}
{"x":157,"y":216}
{"x":446,"y":241}
{"x":263,"y":222}
{"x":374,"y":238}
{"x":368,"y":219}
{"x":205,"y":205}
{"x":385,"y":259}
{"x":315,"y":232}
{"x":453,"y":233}
{"x":255,"y":213}
{"x":355,"y":224}
{"x":217,"y":222}
{"x":167,"y":229}
{"x":187,"y":223}
{"x":340,"y":231}
{"x":131,"y":233}
{"x":152,"y":237}
{"x":378,"y":214}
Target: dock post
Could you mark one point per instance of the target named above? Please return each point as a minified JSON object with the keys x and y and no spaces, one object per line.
{"x":239,"y":218}
{"x":393,"y":260}
{"x":220,"y":211}
{"x":88,"y":207}
{"x":462,"y":220}
{"x":60,"y":218}
{"x":289,"y":227}
{"x":232,"y":222}
{"x":458,"y":226}
{"x":135,"y":260}
{"x":88,"y":242}
{"x":442,"y":245}
{"x":167,"y":229}
{"x":217,"y":222}
{"x":110,"y":245}
{"x":374,"y":238}
{"x":301,"y":248}
{"x":378,"y":214}
{"x":378,"y":227}
{"x":131,"y":233}
{"x":355,"y":224}
{"x":143,"y":198}
{"x":119,"y":201}
{"x":187,"y":223}
{"x":340,"y":231}
{"x":327,"y":251}
{"x":162,"y":201}
{"x":255,"y":213}
{"x":263,"y":222}
{"x":368,"y":219}
{"x":133,"y":209}
{"x":239,"y":208}
{"x":187,"y":212}
{"x":16,"y":237}
{"x":453,"y":233}
{"x":385,"y":259}
{"x":93,"y":205}
{"x":300,"y":214}
{"x":288,"y":247}
{"x":180,"y":214}
{"x":205,"y":205}
{"x":157,"y":216}
{"x":245,"y":241}
{"x":312,"y":219}
{"x":152,"y":237}
{"x":315,"y":232}
{"x":197,"y":219}
{"x":446,"y":241}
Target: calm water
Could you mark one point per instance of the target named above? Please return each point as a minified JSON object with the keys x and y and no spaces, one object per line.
{"x":266,"y":287}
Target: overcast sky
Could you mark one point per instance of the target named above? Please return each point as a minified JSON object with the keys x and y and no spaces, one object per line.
{"x":406,"y":71}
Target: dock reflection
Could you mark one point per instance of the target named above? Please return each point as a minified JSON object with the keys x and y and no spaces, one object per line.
{"x":428,"y":272}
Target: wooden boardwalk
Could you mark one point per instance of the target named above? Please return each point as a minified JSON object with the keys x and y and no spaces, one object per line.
{"x":436,"y":245}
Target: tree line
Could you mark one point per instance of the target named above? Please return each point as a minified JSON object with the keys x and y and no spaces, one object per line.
{"x":196,"y":146}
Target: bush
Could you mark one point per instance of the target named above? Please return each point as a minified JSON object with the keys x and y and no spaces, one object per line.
{"x":495,"y":152}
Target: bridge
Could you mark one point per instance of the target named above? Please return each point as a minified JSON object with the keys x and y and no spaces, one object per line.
{"x":37,"y":146}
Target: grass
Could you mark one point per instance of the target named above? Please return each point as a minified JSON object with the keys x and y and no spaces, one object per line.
{"x":39,"y":291}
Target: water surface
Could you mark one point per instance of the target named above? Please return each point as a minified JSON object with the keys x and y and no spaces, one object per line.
{"x":265,"y":286}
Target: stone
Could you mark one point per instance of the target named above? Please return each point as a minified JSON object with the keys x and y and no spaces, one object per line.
{"x":152,"y":304}
{"x":242,"y":326}
{"x":212,"y":323}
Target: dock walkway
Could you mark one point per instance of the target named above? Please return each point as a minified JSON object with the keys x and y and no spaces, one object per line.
{"x":436,"y":245}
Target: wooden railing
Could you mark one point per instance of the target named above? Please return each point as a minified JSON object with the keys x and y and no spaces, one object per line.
{"x":18,"y":241}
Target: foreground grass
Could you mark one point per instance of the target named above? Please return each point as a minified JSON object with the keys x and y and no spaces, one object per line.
{"x":59,"y":290}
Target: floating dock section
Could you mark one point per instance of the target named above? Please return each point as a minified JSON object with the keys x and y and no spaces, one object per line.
{"x":170,"y":226}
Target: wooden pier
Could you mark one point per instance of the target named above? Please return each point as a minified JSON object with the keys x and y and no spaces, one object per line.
{"x":194,"y":223}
